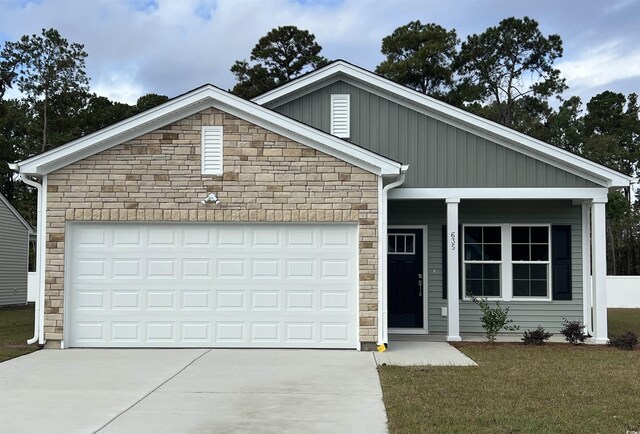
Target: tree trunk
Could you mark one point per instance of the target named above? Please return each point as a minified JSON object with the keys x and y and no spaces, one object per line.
{"x":614,"y":269}
{"x":44,"y":122}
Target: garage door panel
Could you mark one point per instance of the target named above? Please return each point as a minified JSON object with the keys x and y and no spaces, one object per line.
{"x":125,"y":331}
{"x":142,"y":285}
{"x":126,"y":300}
{"x":90,"y":300}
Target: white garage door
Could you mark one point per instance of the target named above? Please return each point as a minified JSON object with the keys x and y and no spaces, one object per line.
{"x":225,"y":285}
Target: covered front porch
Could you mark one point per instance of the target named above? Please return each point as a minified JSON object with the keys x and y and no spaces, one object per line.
{"x":534,"y":250}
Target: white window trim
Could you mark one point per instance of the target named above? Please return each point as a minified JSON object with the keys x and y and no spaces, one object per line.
{"x":348,"y":98}
{"x":202,"y":150}
{"x":506,"y":269}
{"x":547,"y":263}
{"x":406,"y":235}
{"x":464,"y":262}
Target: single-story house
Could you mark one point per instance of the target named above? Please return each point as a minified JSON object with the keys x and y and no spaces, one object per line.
{"x":15,"y":234}
{"x":330,"y":212}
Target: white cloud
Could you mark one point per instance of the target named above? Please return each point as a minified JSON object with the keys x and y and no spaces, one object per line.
{"x":602,"y":65}
{"x":171,"y":46}
{"x":118,"y":86}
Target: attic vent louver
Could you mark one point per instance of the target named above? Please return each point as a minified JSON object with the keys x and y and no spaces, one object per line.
{"x":340,"y":113}
{"x":212,"y":150}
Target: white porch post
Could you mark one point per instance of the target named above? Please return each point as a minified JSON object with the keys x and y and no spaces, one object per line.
{"x":452,"y":240}
{"x":599,"y":269}
{"x":586,"y":266}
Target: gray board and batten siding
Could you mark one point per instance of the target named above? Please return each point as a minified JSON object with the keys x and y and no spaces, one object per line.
{"x":440,"y":155}
{"x":14,"y":261}
{"x":527,"y":314}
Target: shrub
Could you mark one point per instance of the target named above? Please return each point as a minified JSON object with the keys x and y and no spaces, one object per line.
{"x":494,"y":319}
{"x":627,"y":341}
{"x":573,"y":331}
{"x":536,"y":337}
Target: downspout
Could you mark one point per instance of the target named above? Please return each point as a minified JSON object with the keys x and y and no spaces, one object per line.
{"x":383,"y":311}
{"x":38,"y":323}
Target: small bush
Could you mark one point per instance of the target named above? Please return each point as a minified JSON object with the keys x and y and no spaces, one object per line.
{"x":627,"y":341}
{"x":536,"y":337}
{"x":494,"y":319}
{"x":573,"y":331}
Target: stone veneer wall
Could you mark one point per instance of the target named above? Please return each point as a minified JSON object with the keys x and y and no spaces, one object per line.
{"x":157,"y":177}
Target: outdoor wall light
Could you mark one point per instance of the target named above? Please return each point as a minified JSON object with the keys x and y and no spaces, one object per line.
{"x":212,"y":198}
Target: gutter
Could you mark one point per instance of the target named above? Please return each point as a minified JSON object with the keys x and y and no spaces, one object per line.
{"x":38,"y":324}
{"x":383,"y":309}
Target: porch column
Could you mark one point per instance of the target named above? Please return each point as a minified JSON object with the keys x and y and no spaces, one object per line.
{"x":452,"y":240}
{"x":599,"y":270}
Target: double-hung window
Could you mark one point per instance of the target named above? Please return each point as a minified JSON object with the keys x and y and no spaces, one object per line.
{"x":508,"y":262}
{"x":530,"y":251}
{"x":482,"y":260}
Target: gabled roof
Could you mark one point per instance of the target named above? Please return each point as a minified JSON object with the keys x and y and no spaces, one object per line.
{"x":341,"y":70}
{"x":15,"y":212}
{"x":193,"y":102}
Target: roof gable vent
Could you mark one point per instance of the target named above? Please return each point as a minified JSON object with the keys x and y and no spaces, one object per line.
{"x":212,"y":150}
{"x":340,"y":114}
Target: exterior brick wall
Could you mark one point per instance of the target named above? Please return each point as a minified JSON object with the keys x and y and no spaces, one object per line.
{"x":157,"y":177}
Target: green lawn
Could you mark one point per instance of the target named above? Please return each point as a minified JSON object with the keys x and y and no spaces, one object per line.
{"x":16,"y":326}
{"x":556,"y":388}
{"x":623,"y":320}
{"x":516,"y":389}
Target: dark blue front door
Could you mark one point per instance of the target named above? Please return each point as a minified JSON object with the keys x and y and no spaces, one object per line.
{"x":405,"y":291}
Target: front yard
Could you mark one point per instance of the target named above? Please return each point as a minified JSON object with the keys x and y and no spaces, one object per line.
{"x":515,"y":389}
{"x":556,"y":388}
{"x":16,"y":326}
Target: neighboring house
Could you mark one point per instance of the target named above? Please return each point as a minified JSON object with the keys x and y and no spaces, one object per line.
{"x":323,"y":236}
{"x":15,"y":234}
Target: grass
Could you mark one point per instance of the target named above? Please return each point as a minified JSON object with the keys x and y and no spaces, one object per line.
{"x":623,"y":320}
{"x":16,"y":326}
{"x":556,"y":388}
{"x":516,"y":389}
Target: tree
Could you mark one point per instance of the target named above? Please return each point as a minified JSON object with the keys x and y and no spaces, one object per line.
{"x":420,"y":56}
{"x":612,"y":131}
{"x":50,"y":68}
{"x":623,"y":236}
{"x":509,"y":62}
{"x":10,"y":59}
{"x":565,"y":126}
{"x":149,"y":101}
{"x":16,"y":130}
{"x":281,"y":55}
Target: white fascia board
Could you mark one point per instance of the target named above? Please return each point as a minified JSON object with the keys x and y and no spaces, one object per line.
{"x":474,"y":124}
{"x":309,"y":136}
{"x":499,"y":193}
{"x":119,"y":132}
{"x":293,"y":86}
{"x":191,"y":103}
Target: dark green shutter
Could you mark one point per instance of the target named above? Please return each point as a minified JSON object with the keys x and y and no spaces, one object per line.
{"x":561,"y":262}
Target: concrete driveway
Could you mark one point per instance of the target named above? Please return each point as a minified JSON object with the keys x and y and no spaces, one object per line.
{"x":175,"y":391}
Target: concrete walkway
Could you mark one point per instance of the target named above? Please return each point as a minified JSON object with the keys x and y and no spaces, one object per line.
{"x":408,"y":353}
{"x":191,"y":391}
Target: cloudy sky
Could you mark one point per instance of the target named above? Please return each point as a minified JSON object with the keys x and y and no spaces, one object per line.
{"x":171,"y":46}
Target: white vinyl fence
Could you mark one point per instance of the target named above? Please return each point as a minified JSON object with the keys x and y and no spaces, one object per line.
{"x":623,"y":291}
{"x":32,"y":286}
